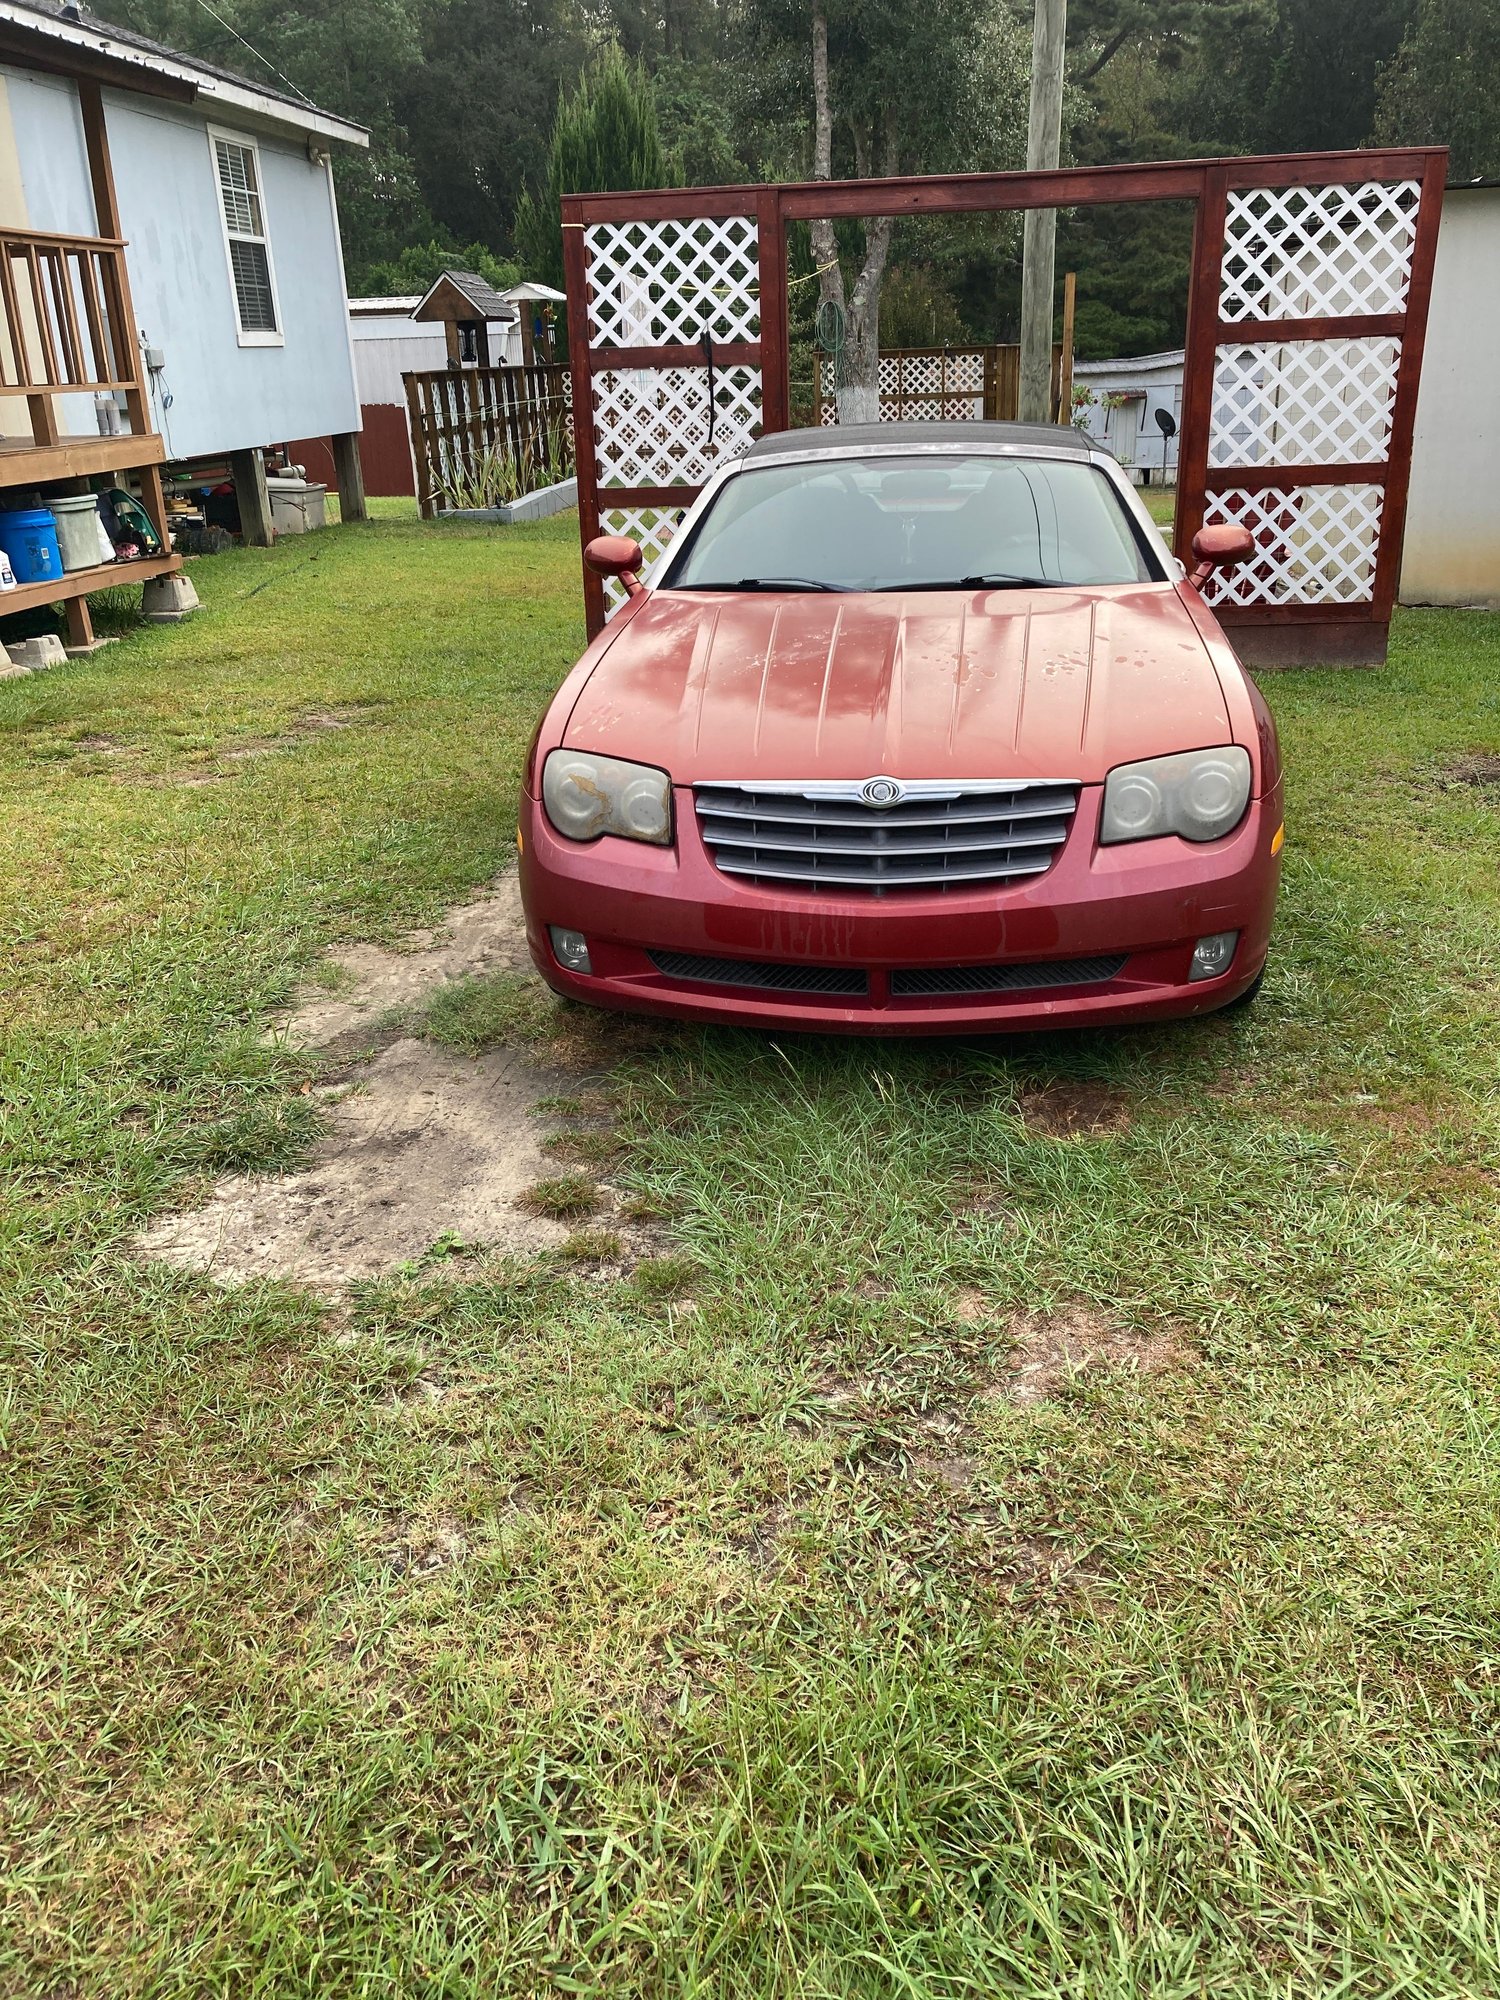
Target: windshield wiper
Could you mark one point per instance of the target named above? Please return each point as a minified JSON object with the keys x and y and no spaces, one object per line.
{"x":767,"y":583}
{"x":996,"y":580}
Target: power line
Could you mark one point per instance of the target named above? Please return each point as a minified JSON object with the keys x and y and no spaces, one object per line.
{"x":233,"y":30}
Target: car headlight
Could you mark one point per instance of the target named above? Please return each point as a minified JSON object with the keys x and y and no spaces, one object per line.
{"x":1200,"y":794}
{"x":585,"y":796}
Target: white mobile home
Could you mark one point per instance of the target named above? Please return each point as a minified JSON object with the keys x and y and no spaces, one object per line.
{"x":1451,"y":553}
{"x":171,"y":247}
{"x":1122,"y":413}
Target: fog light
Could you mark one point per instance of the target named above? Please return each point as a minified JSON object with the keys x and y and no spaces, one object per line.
{"x":1211,"y":955}
{"x":571,"y":949}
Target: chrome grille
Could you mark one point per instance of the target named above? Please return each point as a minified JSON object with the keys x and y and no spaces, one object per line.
{"x":937,"y":837}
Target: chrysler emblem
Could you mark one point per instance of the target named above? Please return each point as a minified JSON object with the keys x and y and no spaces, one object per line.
{"x":880,"y":792}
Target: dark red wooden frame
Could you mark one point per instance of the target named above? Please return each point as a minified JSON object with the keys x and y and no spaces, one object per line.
{"x":1269,"y":634}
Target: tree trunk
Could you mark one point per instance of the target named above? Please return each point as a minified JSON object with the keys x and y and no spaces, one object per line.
{"x":858,"y":385}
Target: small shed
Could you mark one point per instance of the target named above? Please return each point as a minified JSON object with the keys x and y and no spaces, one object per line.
{"x":466,"y":306}
{"x":1125,"y":395}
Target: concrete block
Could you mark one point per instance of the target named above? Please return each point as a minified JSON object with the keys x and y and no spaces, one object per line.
{"x":35,"y":654}
{"x":167,"y":600}
{"x":11,"y":670}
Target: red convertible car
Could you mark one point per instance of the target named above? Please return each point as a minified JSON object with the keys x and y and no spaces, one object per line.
{"x":912,"y":730}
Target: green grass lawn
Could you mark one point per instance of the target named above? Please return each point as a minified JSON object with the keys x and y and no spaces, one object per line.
{"x":727,"y":1628}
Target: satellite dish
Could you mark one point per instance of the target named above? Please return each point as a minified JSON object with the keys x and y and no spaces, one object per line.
{"x":1166,"y":423}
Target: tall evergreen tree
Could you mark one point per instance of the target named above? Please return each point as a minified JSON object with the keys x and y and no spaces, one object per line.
{"x":604,"y":137}
{"x":1443,"y":87}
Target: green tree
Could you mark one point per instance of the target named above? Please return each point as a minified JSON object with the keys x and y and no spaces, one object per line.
{"x":603,"y":137}
{"x":480,"y":100}
{"x":1443,"y":86}
{"x":861,"y":87}
{"x":349,"y":60}
{"x":419,"y":266}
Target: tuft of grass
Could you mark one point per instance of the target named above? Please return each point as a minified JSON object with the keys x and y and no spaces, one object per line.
{"x":591,"y":1246}
{"x":666,"y":1277}
{"x":473,"y":1015}
{"x":564,"y":1197}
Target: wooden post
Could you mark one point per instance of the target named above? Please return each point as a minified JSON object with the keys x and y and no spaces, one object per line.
{"x":155,"y":503}
{"x":80,"y":624}
{"x":775,"y":363}
{"x":116,"y":277}
{"x":248,"y":471}
{"x":421,"y":445}
{"x":1200,"y":345}
{"x":1065,"y":372}
{"x":350,"y":475}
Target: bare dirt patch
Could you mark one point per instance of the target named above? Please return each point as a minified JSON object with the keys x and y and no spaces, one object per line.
{"x":972,"y":1307}
{"x":422,"y":1146}
{"x":1051,"y":1348}
{"x":1075,"y":1110}
{"x":420,"y":1549}
{"x":213,"y":767}
{"x":427,"y":1145}
{"x":1482,"y":769}
{"x":486,"y":935}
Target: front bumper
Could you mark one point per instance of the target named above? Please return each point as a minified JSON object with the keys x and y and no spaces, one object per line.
{"x":1149,"y":900}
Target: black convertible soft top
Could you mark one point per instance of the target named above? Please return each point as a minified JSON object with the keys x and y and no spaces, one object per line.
{"x":959,"y":436}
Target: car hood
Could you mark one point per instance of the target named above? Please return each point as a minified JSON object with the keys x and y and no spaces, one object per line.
{"x":960,"y":684}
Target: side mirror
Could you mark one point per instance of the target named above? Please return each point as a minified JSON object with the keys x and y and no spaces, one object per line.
{"x":616,"y":555}
{"x":1220,"y":547}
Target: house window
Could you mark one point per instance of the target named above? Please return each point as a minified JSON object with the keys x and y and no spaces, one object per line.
{"x":245,"y":240}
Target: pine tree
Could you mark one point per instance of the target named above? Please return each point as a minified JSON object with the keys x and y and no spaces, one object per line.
{"x":603,"y":138}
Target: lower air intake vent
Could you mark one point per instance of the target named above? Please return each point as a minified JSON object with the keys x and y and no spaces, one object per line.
{"x":908,"y":985}
{"x":772,"y":978}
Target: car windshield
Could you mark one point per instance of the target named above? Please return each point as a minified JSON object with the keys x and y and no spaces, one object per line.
{"x":918,"y":523}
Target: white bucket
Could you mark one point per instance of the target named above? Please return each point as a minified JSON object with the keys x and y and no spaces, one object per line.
{"x":76,"y":515}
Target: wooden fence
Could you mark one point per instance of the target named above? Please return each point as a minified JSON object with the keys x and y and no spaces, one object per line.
{"x":461,"y":417}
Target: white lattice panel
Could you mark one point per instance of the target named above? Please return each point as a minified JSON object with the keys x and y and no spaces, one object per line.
{"x":953,"y":409}
{"x":930,"y":374}
{"x":653,"y":284}
{"x":652,"y":527}
{"x":917,"y":388}
{"x":1314,"y":544}
{"x":1305,"y":402}
{"x":651,"y":424}
{"x":1303,"y":253}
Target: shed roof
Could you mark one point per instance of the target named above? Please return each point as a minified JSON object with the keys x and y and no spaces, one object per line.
{"x":64,"y":30}
{"x":475,"y":291}
{"x":1134,"y":364}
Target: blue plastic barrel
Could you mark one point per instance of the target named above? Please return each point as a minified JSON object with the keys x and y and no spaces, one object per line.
{"x":29,"y":538}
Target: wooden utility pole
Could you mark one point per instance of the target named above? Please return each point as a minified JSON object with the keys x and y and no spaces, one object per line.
{"x":1039,"y":241}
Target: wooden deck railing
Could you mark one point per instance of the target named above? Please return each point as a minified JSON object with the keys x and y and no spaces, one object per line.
{"x":64,"y":329}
